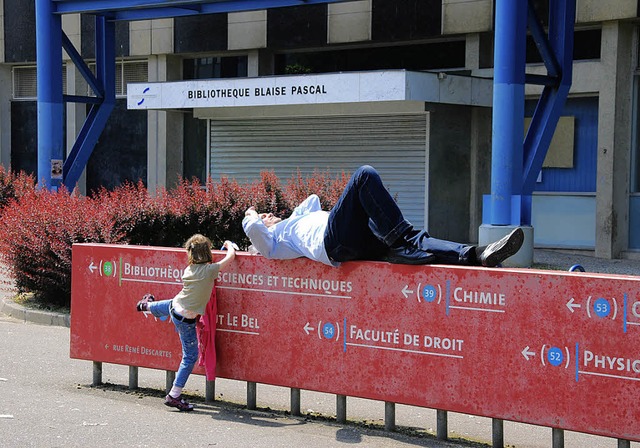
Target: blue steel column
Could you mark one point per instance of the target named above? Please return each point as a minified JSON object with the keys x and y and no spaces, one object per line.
{"x":508,"y":111}
{"x":97,"y":118}
{"x":50,"y":104}
{"x":559,"y":59}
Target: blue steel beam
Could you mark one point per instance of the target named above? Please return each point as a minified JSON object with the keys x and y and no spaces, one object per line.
{"x":99,"y":113}
{"x":516,"y":163}
{"x":81,"y":99}
{"x":549,"y":108}
{"x":50,"y":40}
{"x":82,"y":67}
{"x":149,"y":9}
{"x":541,"y":41}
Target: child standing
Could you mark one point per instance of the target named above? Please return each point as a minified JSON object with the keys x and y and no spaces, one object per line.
{"x":198,"y":279}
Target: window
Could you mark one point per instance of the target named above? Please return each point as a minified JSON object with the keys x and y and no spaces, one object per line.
{"x":431,"y":56}
{"x":25,"y":86}
{"x":215,"y":67}
{"x":126,"y":72}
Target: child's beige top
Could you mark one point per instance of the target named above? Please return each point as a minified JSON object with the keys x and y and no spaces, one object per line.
{"x":197,"y":284}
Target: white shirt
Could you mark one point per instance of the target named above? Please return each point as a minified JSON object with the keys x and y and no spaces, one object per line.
{"x":300,"y":235}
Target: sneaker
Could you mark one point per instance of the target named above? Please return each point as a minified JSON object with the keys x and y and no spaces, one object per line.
{"x":179,"y":403}
{"x":409,"y":254}
{"x":142,"y":304}
{"x":496,"y":253}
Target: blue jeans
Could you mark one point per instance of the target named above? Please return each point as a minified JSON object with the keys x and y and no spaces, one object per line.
{"x":366,"y":221}
{"x":188,"y":338}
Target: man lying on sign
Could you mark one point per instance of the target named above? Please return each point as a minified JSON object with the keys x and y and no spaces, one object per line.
{"x":365,"y":224}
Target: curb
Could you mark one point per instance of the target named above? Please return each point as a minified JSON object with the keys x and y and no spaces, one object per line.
{"x":16,"y":311}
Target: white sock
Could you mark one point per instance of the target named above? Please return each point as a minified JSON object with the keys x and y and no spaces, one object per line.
{"x":175,"y":391}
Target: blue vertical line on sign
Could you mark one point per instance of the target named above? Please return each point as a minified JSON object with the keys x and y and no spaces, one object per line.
{"x":344,"y":336}
{"x":447,"y":298}
{"x":577,"y":363}
{"x":624,"y":314}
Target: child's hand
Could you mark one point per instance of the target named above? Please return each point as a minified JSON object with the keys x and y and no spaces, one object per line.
{"x":230,"y":255}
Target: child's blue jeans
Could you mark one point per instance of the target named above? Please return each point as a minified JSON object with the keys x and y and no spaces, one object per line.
{"x":188,"y":338}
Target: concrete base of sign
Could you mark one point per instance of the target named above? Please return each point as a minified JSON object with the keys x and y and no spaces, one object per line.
{"x":524,"y":258}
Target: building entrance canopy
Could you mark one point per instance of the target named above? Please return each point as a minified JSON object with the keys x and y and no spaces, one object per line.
{"x":356,"y":87}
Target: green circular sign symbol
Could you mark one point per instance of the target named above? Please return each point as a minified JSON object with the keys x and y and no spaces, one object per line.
{"x":107,"y":268}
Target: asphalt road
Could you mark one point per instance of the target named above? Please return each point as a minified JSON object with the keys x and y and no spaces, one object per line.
{"x":48,"y":401}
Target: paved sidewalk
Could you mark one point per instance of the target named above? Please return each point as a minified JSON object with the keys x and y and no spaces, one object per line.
{"x":548,"y":259}
{"x":48,"y":402}
{"x":11,"y":309}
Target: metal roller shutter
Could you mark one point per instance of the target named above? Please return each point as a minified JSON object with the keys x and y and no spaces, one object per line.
{"x":394,"y":144}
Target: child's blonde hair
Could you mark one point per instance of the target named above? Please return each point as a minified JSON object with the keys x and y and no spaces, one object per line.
{"x":199,"y":249}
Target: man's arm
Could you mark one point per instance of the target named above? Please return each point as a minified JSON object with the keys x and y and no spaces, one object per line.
{"x":311,"y":204}
{"x":257,"y":232}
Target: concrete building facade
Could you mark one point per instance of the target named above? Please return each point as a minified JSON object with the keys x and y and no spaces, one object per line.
{"x":436,"y":155}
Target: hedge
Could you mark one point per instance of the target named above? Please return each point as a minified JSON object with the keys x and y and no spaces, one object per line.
{"x":38,"y":227}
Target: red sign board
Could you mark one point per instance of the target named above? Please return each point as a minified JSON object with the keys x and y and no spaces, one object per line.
{"x":550,"y":348}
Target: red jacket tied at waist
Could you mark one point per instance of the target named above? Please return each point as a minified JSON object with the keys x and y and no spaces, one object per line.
{"x":207,"y":337}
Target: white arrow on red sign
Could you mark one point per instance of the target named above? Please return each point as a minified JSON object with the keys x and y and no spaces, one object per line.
{"x":406,"y":291}
{"x":572,"y":305}
{"x":526,"y":353}
{"x":307,"y":328}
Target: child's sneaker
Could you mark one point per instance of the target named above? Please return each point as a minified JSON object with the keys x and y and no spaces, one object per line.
{"x":179,"y":403}
{"x":142,"y":304}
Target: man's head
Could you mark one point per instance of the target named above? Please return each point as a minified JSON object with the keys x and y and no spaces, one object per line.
{"x":269,"y":219}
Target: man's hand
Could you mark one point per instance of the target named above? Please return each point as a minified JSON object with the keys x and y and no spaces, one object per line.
{"x":228,"y":245}
{"x":251,"y":211}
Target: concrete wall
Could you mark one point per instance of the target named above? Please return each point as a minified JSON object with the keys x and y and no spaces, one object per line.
{"x":464,"y":16}
{"x":349,"y":22}
{"x":600,"y":11}
{"x":473,"y":16}
{"x":247,"y":30}
{"x":448,"y":175}
{"x":614,"y":139}
{"x":165,"y":137}
{"x":479,"y":166}
{"x":459,"y":170}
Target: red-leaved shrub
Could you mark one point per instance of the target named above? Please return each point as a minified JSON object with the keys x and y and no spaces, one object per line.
{"x":14,"y":185}
{"x":39,"y":227}
{"x":36,"y":235}
{"x":136,"y":217}
{"x":327,"y":188}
